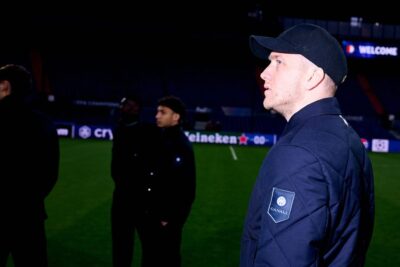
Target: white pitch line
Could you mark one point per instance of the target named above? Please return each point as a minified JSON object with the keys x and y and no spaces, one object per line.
{"x":233,"y":153}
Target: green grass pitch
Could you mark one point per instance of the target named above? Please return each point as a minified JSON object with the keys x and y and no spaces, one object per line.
{"x":78,"y":227}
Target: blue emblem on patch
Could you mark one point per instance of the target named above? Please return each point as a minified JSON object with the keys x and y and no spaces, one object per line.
{"x":280,"y":205}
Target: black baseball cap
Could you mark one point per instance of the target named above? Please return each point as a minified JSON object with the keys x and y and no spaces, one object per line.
{"x":309,"y":40}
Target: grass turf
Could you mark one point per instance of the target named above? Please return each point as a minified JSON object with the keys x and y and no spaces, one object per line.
{"x":78,"y":227}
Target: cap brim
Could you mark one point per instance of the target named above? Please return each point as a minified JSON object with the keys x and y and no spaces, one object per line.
{"x":262,"y":46}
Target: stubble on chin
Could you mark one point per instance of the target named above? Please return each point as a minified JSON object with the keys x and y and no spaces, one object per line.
{"x":266,"y":104}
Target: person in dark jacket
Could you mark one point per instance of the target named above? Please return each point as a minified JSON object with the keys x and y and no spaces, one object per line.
{"x":177,"y":181}
{"x":131,"y":156}
{"x":154,"y":173}
{"x":313,"y":201}
{"x":29,"y":157}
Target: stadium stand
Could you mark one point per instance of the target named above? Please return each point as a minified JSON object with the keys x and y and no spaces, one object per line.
{"x":208,"y":67}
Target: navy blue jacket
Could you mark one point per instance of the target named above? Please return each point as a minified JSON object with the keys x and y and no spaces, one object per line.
{"x":313,"y":200}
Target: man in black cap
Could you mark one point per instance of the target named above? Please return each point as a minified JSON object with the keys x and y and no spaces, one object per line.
{"x":313,"y":200}
{"x":29,"y":158}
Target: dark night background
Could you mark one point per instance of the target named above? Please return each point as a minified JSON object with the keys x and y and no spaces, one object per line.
{"x":196,"y":50}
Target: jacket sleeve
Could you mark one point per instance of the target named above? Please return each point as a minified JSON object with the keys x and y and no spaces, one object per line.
{"x":117,"y":156}
{"x":288,"y":211}
{"x":48,"y":155}
{"x":189,"y":183}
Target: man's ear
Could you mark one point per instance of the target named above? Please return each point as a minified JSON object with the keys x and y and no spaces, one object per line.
{"x":176,"y":117}
{"x":315,"y":77}
{"x":5,"y":88}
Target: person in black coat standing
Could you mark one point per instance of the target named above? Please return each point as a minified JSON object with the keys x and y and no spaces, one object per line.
{"x":153,"y":169}
{"x":29,"y":157}
{"x":131,"y":156}
{"x":177,"y":182}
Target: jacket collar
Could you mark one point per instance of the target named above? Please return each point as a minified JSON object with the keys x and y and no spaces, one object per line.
{"x":323,"y":106}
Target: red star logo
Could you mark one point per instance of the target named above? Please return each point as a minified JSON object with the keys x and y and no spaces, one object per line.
{"x":243,"y":139}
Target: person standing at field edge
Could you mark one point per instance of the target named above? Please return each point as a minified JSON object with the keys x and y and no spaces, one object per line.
{"x":175,"y":190}
{"x":132,"y":149}
{"x":154,"y":173}
{"x":313,"y":200}
{"x":29,"y":158}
